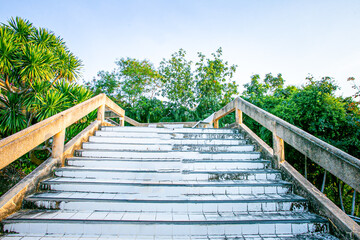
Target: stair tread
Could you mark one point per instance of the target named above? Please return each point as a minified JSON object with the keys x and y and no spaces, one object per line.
{"x":169,"y":151}
{"x":163,"y":217}
{"x":166,"y":170}
{"x":135,"y":170}
{"x":172,"y":140}
{"x":148,"y":129}
{"x":157,"y":159}
{"x":171,"y":144}
{"x":184,"y":183}
{"x":72,"y":196}
{"x":312,"y":236}
{"x":124,"y":143}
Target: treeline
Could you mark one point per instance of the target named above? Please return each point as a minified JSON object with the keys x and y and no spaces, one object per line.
{"x":178,"y":90}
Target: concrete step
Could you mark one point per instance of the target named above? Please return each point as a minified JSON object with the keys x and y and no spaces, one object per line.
{"x":186,"y":165}
{"x":166,"y":147}
{"x":234,"y":174}
{"x":150,"y":140}
{"x":312,"y":236}
{"x":167,"y":188}
{"x":168,"y":135}
{"x":140,"y":140}
{"x":233,"y":136}
{"x":168,"y":130}
{"x":224,"y":164}
{"x":213,"y":148}
{"x":166,"y":154}
{"x":126,"y":163}
{"x":127,"y":146}
{"x":133,"y":134}
{"x":77,"y":201}
{"x":162,"y":224}
{"x":208,"y":141}
{"x":167,"y":174}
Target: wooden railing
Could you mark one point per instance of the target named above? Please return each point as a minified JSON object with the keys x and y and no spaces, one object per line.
{"x":18,"y":144}
{"x":332,"y":159}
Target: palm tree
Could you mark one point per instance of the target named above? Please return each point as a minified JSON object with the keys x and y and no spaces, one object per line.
{"x":28,"y":54}
{"x":30,"y":59}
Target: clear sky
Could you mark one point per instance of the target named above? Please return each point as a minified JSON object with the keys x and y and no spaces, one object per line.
{"x":292,"y":37}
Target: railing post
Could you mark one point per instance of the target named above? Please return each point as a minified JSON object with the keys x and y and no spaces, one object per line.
{"x":122,"y":121}
{"x":101,"y":113}
{"x":238,"y":116}
{"x":58,"y":145}
{"x":216,"y":123}
{"x":279,"y":150}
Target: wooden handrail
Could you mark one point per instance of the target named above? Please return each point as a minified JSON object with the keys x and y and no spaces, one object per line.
{"x":132,"y":122}
{"x":332,"y":159}
{"x":18,"y":144}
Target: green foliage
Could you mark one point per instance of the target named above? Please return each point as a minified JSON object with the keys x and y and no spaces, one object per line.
{"x":32,"y":60}
{"x":189,"y":94}
{"x":49,"y":104}
{"x":213,"y":77}
{"x":36,"y":68}
{"x":178,"y":81}
{"x":73,"y":92}
{"x":315,"y":109}
{"x":29,"y":54}
{"x":137,"y":78}
{"x":152,"y":110}
{"x":257,"y":89}
{"x":43,"y":101}
{"x":107,"y":83}
{"x":80,"y":125}
{"x":13,"y":173}
{"x":12,"y":117}
{"x":146,"y":110}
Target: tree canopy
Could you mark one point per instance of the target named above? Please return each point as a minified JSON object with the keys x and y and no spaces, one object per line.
{"x":37,"y":75}
{"x":315,"y":108}
{"x":189,"y":91}
{"x":29,"y":54}
{"x":32,"y":61}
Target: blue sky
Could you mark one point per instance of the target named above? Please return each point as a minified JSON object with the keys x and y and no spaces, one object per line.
{"x":292,"y":37}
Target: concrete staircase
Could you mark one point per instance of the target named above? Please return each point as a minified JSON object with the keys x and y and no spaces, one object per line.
{"x":157,"y":183}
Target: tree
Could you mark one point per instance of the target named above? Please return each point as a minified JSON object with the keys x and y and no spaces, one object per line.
{"x":147,"y":110}
{"x":178,"y":81}
{"x":29,"y":54}
{"x":106,"y":82}
{"x":256,"y":89}
{"x":137,"y":78}
{"x":192,"y":94}
{"x":213,"y":78}
{"x":36,"y":71}
{"x":31,"y":58}
{"x":12,"y":117}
